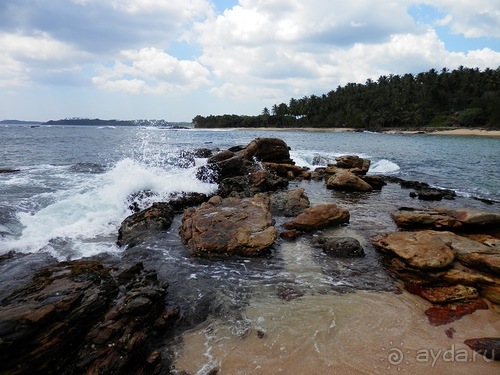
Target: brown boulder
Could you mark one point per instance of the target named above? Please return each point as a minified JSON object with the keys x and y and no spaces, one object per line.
{"x":425,"y":249}
{"x":318,"y":217}
{"x":491,"y":293}
{"x":353,"y":163}
{"x":230,"y":226}
{"x":345,"y":180}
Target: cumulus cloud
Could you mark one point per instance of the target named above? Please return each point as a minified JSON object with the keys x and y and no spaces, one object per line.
{"x":473,"y":19}
{"x":152,"y":71}
{"x":293,"y":46}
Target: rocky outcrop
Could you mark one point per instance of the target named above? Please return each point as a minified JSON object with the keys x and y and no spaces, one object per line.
{"x":451,"y":270}
{"x":345,"y":180}
{"x":81,"y":317}
{"x":230,"y":226}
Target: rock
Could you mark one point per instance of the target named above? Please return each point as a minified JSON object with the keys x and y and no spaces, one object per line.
{"x":318,"y":217}
{"x":354,"y":164}
{"x":341,"y":247}
{"x":230,"y":226}
{"x":289,"y":292}
{"x":425,"y":249}
{"x":376,"y":182}
{"x":344,"y":180}
{"x":442,"y":218}
{"x":289,"y":203}
{"x":285,"y":170}
{"x":270,"y":150}
{"x":411,"y":218}
{"x":468,"y":277}
{"x":84,"y":318}
{"x":9,"y":170}
{"x":145,"y":223}
{"x":488,"y":347}
{"x":439,"y":315}
{"x":491,"y":293}
{"x":444,"y":294}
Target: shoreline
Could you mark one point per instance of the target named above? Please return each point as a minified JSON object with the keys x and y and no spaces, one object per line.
{"x":476,"y":132}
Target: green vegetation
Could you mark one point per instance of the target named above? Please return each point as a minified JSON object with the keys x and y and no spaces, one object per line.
{"x":463,"y":97}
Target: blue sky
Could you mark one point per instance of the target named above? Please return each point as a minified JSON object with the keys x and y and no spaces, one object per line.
{"x":160,"y":59}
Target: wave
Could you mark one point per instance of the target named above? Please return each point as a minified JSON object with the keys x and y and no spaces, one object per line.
{"x":84,"y":219}
{"x":384,"y":166}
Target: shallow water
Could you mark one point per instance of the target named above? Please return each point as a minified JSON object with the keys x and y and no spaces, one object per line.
{"x":72,"y":193}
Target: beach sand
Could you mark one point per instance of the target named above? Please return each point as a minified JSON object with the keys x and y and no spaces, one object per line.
{"x":456,"y":131}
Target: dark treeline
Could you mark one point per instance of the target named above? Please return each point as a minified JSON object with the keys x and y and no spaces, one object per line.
{"x":464,"y":97}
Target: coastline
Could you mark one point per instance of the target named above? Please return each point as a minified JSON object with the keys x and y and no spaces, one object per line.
{"x":477,"y":132}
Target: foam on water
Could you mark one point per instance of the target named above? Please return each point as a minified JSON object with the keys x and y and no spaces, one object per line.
{"x":84,"y":220}
{"x":384,"y":167}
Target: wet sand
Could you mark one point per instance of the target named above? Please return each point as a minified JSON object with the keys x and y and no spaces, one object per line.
{"x":354,"y":333}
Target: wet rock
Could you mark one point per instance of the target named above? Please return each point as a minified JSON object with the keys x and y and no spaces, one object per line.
{"x":145,"y":223}
{"x":318,"y":217}
{"x":289,"y":203}
{"x":489,"y":347}
{"x":230,"y":226}
{"x":444,"y":294}
{"x":9,"y":170}
{"x":289,"y":292}
{"x":468,"y":277}
{"x":424,"y":249}
{"x":341,"y":247}
{"x":439,"y":315}
{"x":347,"y":181}
{"x":76,"y":316}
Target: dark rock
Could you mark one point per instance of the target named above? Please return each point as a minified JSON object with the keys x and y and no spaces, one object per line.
{"x":74,"y":316}
{"x":289,"y":292}
{"x":376,"y":182}
{"x":270,"y":150}
{"x":341,"y":247}
{"x":9,"y":170}
{"x":289,"y":203}
{"x":489,"y":347}
{"x":145,"y":223}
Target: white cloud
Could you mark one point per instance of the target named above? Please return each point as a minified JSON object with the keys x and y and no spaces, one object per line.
{"x":473,"y":19}
{"x":152,"y":71}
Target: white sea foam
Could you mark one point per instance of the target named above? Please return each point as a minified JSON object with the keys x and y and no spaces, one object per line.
{"x":82,"y":221}
{"x":384,"y":167}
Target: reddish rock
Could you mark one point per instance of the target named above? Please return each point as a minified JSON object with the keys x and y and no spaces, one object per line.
{"x":230,"y":226}
{"x":318,"y":217}
{"x":444,"y":294}
{"x":491,"y":293}
{"x":439,"y":315}
{"x":486,"y":346}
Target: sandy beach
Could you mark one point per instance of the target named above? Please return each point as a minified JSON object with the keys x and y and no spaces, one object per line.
{"x":455,"y":131}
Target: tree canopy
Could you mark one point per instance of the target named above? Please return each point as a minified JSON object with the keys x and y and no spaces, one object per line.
{"x":466,"y":97}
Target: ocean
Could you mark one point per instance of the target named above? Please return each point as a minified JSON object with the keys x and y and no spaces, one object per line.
{"x":72,"y":189}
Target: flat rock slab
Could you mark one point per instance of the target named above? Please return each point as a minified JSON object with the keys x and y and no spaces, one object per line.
{"x":230,"y":226}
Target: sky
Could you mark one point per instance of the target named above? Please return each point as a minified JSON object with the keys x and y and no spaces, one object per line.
{"x":173,"y":60}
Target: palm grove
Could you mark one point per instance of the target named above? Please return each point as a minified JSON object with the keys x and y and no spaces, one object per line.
{"x":466,"y":97}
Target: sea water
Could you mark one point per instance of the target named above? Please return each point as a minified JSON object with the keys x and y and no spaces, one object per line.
{"x":72,"y":192}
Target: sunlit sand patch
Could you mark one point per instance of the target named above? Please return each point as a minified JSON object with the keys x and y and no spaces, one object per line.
{"x":355,"y":333}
